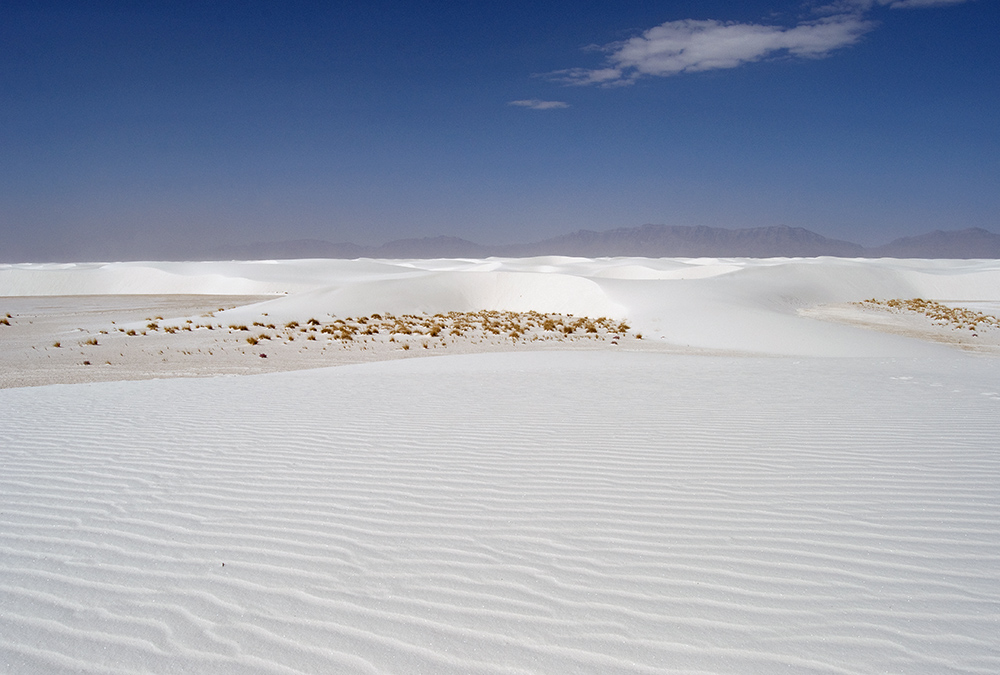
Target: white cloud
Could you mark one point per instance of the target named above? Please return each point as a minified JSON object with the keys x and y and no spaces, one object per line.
{"x":535,"y":104}
{"x":912,"y":4}
{"x":687,"y":46}
{"x":865,"y":5}
{"x":694,"y":45}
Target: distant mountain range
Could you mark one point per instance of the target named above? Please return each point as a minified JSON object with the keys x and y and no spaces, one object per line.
{"x":651,"y":241}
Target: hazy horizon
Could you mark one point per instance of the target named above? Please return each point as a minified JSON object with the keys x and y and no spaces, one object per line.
{"x":166,"y":128}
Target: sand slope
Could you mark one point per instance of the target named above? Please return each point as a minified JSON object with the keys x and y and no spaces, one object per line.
{"x":741,"y":306}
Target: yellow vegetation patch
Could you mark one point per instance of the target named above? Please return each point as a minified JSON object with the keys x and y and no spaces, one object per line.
{"x":955,"y":317}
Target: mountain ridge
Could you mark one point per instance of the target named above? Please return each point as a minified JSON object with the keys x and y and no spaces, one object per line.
{"x":652,"y":241}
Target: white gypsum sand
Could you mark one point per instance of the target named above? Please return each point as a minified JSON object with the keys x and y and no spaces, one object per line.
{"x":821,"y":499}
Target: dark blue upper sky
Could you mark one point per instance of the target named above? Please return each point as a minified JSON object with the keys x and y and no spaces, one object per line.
{"x":157,"y":128}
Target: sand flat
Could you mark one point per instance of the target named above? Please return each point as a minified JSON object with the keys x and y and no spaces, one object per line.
{"x":560,"y":512}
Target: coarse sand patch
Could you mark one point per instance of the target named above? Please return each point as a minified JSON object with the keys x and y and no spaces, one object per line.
{"x":950,"y":324}
{"x":70,"y":339}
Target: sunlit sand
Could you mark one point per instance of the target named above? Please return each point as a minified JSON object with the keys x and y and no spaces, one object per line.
{"x":540,"y":465}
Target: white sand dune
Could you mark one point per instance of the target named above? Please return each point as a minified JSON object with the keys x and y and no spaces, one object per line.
{"x":821,"y":499}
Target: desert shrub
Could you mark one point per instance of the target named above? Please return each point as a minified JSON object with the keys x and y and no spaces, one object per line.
{"x":92,"y":341}
{"x":152,"y":325}
{"x":313,"y":322}
{"x":252,"y":340}
{"x":57,"y":344}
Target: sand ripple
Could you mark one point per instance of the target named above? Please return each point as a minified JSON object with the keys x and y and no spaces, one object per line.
{"x":508,"y":513}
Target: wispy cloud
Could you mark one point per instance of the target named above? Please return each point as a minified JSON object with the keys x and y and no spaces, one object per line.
{"x":535,"y":104}
{"x":865,"y":5}
{"x":909,"y":4}
{"x":696,"y":45}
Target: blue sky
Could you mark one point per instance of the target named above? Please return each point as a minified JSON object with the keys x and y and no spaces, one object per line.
{"x":161,"y":128}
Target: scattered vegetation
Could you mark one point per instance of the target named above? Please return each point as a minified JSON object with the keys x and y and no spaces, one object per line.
{"x":958,"y":318}
{"x":409,"y":331}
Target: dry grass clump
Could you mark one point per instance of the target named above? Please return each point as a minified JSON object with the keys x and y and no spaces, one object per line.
{"x":391,"y":332}
{"x":957,"y":318}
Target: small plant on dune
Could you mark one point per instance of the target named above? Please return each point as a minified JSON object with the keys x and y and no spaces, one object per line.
{"x":406,"y":347}
{"x":130,"y":332}
{"x":152,"y":325}
{"x":92,"y":341}
{"x":252,"y":340}
{"x":313,"y":322}
{"x":4,"y":322}
{"x":57,"y":344}
{"x":292,"y":324}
